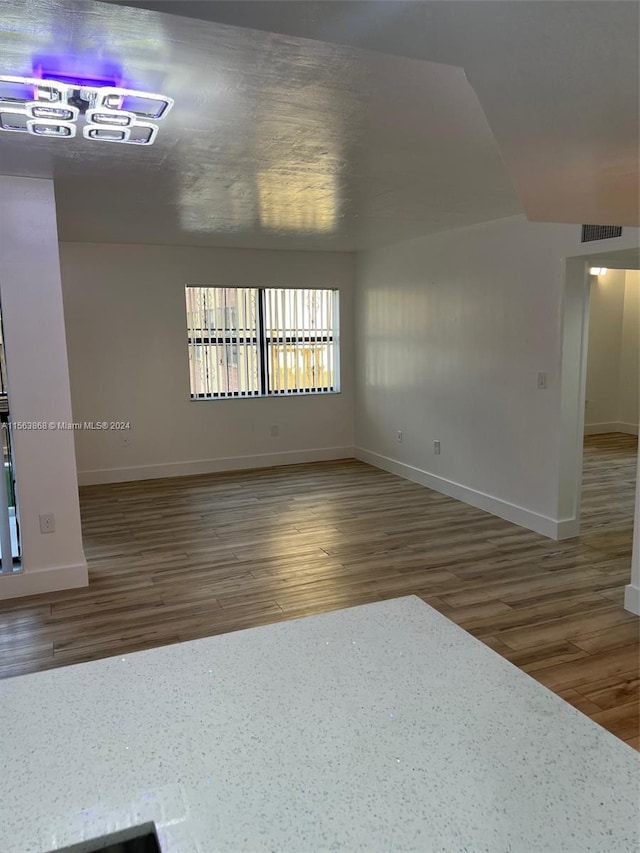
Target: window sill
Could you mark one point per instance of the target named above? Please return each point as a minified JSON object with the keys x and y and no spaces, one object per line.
{"x":298,"y":395}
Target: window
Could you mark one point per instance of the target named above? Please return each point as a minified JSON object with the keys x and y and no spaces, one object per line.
{"x":256,"y":342}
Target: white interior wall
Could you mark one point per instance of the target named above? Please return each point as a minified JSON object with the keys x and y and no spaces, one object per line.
{"x":128,"y":360}
{"x":38,"y":379}
{"x":452,"y":331}
{"x":603,"y":356}
{"x":612,"y":361}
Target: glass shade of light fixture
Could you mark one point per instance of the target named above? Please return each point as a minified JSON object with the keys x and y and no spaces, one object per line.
{"x":51,"y":128}
{"x":140,"y":133}
{"x":13,"y":121}
{"x":61,"y":112}
{"x":598,"y":271}
{"x":19,"y":91}
{"x":141,"y":104}
{"x":106,"y":133}
{"x":114,"y":118}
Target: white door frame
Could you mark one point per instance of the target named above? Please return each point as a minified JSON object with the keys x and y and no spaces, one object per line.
{"x":573,"y":378}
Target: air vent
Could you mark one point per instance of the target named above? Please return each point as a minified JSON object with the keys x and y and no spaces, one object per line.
{"x":600,"y":232}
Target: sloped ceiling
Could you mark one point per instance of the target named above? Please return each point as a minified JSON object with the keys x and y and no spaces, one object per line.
{"x":558,"y":82}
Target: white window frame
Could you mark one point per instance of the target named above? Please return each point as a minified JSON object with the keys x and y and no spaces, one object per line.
{"x":267,"y":339}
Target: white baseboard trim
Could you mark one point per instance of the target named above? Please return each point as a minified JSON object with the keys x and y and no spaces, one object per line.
{"x":612,"y":426}
{"x":630,"y":429}
{"x":567,"y":528}
{"x":550,"y":527}
{"x":212,"y":466}
{"x":36,"y":581}
{"x":632,"y":598}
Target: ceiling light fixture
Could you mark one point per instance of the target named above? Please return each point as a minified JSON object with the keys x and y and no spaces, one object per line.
{"x":51,"y":127}
{"x":52,"y":108}
{"x":598,"y":271}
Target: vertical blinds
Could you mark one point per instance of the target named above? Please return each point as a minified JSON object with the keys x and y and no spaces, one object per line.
{"x":223,"y":341}
{"x":246,"y":342}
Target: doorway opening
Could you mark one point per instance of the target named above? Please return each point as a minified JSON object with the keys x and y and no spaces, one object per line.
{"x":600,"y":391}
{"x":611,"y":410}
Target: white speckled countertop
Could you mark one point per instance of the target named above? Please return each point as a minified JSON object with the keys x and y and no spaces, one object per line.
{"x":379,"y":728}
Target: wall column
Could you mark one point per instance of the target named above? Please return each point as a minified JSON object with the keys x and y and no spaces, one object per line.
{"x":38,"y":382}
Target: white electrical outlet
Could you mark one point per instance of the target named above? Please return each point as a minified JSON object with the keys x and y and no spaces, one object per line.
{"x":47,"y":523}
{"x":436,"y":448}
{"x":400,"y":436}
{"x":275,"y":431}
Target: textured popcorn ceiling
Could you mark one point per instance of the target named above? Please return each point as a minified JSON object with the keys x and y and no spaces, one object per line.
{"x":274,"y":140}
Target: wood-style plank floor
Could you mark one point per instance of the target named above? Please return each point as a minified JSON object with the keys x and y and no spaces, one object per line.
{"x":172,"y":560}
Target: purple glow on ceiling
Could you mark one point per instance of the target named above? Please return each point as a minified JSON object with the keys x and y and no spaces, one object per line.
{"x":78,"y":71}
